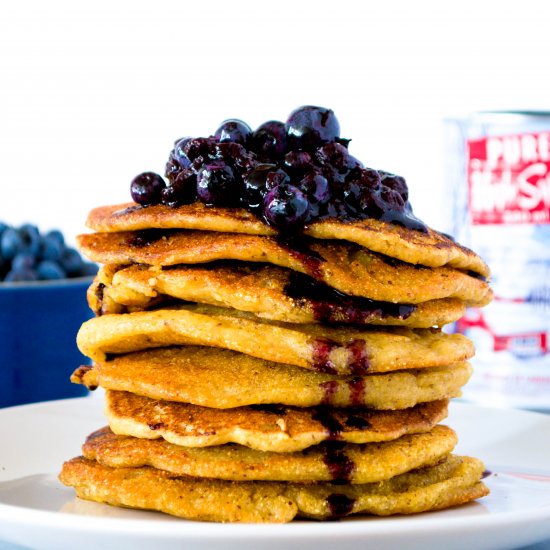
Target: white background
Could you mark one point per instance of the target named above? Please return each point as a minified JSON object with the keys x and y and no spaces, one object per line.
{"x":92,"y":93}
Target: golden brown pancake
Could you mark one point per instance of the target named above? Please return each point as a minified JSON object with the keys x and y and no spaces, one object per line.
{"x":431,"y":248}
{"x":224,"y":379}
{"x":267,"y":291}
{"x":347,"y":463}
{"x":335,"y":350}
{"x":265,"y":428}
{"x":346,"y":267}
{"x":454,"y":481}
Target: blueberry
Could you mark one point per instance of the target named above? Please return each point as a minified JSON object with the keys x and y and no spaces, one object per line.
{"x":359,"y":188}
{"x":146,"y":188}
{"x":216,"y":185}
{"x":3,"y":227}
{"x":49,"y":270}
{"x":235,"y":130}
{"x":23,"y":275}
{"x":71,"y":262}
{"x":11,"y":243}
{"x":310,"y":126}
{"x":179,"y":154}
{"x":333,"y":155}
{"x":55,"y":234}
{"x":269,"y":141}
{"x":235,"y":155}
{"x":51,"y":249}
{"x":255,"y":185}
{"x":172,"y":168}
{"x":88,"y":269}
{"x":397,"y":183}
{"x":297,"y":162}
{"x":183,"y":189}
{"x":316,"y":187}
{"x":23,"y":261}
{"x":286,"y":207}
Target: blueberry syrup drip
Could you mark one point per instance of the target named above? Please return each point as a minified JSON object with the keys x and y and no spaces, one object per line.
{"x":478,"y":276}
{"x":358,"y":421}
{"x":321,"y":355}
{"x":360,"y":361}
{"x":299,"y":249}
{"x":486,"y":473}
{"x":357,"y":391}
{"x":339,"y":465}
{"x":404,"y":219}
{"x":339,"y":505}
{"x":332,"y":425}
{"x":147,"y":237}
{"x":128,"y":210}
{"x":155,"y":426}
{"x":278,"y":410}
{"x":329,"y":389}
{"x":331,"y":306}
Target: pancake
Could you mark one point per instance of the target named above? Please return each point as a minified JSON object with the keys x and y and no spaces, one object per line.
{"x":224,"y":379}
{"x":265,"y":428}
{"x":432,"y":248}
{"x":346,"y":267}
{"x":267,"y":291}
{"x":337,"y":462}
{"x":454,"y":481}
{"x":335,"y":350}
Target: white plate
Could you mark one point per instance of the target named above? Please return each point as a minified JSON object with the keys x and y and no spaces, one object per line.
{"x":37,"y":511}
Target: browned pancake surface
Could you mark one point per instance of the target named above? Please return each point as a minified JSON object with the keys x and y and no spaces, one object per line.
{"x":347,"y":463}
{"x":346,"y":267}
{"x":431,"y":248}
{"x":335,"y":350}
{"x":265,"y":428}
{"x":454,"y":481}
{"x":223,"y":379}
{"x":267,"y":291}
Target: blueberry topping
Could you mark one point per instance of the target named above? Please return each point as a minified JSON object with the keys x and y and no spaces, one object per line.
{"x":146,"y":188}
{"x":310,"y":126}
{"x":216,"y":185}
{"x":286,"y":207}
{"x":300,"y":171}
{"x":233,"y":130}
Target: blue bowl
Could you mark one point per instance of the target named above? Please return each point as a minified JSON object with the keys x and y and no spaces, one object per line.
{"x":38,"y":326}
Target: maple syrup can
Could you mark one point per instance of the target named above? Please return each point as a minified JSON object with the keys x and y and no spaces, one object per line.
{"x":498,"y":171}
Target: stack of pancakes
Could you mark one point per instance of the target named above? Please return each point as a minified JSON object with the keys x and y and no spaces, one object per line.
{"x":251,"y":377}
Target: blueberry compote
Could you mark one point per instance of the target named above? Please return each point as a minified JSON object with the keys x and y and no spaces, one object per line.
{"x":287,"y":174}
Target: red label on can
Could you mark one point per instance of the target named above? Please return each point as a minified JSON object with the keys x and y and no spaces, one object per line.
{"x":509,"y":179}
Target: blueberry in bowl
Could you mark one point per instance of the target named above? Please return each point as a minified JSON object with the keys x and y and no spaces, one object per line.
{"x":43,"y":284}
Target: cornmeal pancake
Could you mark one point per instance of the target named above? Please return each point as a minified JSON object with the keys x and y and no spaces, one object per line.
{"x":265,"y":428}
{"x":346,"y":267}
{"x":454,"y":481}
{"x":338,"y":462}
{"x":224,"y":379}
{"x":431,"y":248}
{"x":267,"y":291}
{"x":335,"y":350}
